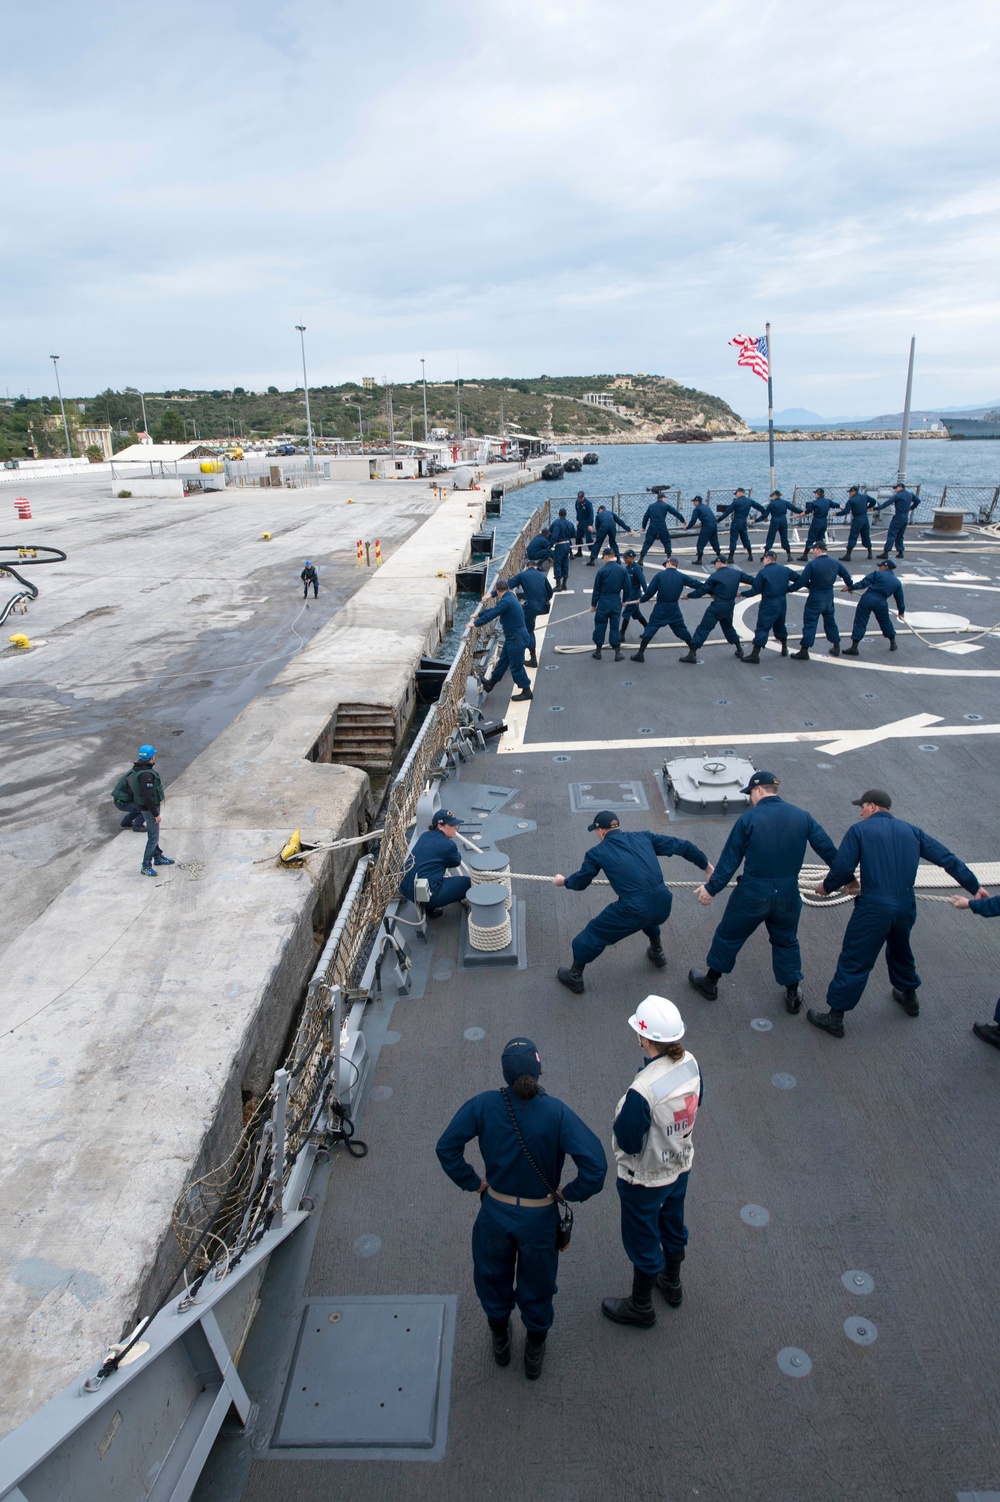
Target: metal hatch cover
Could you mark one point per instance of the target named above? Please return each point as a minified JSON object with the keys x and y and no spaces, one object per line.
{"x":370,"y":1380}
{"x":619,"y":797}
{"x":707,"y":784}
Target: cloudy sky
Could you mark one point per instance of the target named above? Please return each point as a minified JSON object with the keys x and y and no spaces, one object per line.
{"x":512,"y":186}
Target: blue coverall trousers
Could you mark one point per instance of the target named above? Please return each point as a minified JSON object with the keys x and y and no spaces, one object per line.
{"x":604,"y":540}
{"x":860,"y":532}
{"x":672,"y":618}
{"x":816,"y":606}
{"x":584,"y":534}
{"x":896,"y":536}
{"x":515,"y":1261}
{"x":620,"y":919}
{"x":656,"y":534}
{"x":653,"y":1226}
{"x":608,"y":618}
{"x":770,"y":617}
{"x":738,"y":532}
{"x":512,"y":656}
{"x":757,"y":900}
{"x":708,"y":537}
{"x":560,"y":560}
{"x":817,"y":533}
{"x":880,"y":611}
{"x":779,"y":530}
{"x":716,"y":615}
{"x":873,"y":924}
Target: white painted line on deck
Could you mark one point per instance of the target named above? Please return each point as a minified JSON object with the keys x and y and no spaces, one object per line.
{"x":844,"y":740}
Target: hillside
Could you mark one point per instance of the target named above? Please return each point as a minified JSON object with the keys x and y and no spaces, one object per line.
{"x":550,"y":406}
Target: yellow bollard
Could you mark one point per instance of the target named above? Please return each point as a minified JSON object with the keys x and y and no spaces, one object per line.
{"x":378,"y":553}
{"x":350,"y":500}
{"x":265,"y":537}
{"x":361,"y":554}
{"x":20,"y":640}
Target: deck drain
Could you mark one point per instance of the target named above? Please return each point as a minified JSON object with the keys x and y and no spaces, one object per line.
{"x":474,"y":1034}
{"x":367,"y":1246}
{"x":562,"y":757}
{"x":723,"y":701}
{"x":927,"y":747}
{"x":861,"y":1331}
{"x":762,"y":1024}
{"x":767,"y":678}
{"x":755,"y":1215}
{"x":646,"y":730}
{"x":628,"y":683}
{"x":793,"y":1362}
{"x":972,"y":717}
{"x":824,"y":766}
{"x":784,"y":1081}
{"x":855,"y":1281}
{"x":517,"y":805}
{"x":380,"y":1092}
{"x":869,"y":696}
{"x":809,"y":724}
{"x":556,"y":708}
{"x":551,"y":667}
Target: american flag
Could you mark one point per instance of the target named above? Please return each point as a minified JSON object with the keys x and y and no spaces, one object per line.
{"x":753,"y":353}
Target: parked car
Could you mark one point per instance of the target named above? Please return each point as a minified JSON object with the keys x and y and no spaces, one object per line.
{"x":280,"y":449}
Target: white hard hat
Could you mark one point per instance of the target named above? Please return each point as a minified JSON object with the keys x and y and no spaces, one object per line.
{"x":658,"y":1019}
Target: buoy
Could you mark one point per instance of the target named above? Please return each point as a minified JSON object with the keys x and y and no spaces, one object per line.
{"x":20,"y":640}
{"x":265,"y":537}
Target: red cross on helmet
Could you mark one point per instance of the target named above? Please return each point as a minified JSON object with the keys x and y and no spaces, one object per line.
{"x":658,"y":1019}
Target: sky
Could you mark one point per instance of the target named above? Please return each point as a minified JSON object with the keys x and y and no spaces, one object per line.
{"x":503,"y":187}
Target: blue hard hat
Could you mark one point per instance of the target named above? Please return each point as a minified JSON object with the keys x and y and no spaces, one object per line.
{"x":146,"y":752}
{"x":308,"y":564}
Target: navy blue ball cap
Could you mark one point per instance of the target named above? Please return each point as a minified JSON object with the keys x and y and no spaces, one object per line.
{"x":887,"y":563}
{"x":761,"y":779}
{"x":520,"y":1056}
{"x":604,"y":820}
{"x":444,"y":816}
{"x":878,"y":796}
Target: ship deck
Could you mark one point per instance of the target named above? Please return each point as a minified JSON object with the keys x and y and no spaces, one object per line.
{"x":818,"y":1163}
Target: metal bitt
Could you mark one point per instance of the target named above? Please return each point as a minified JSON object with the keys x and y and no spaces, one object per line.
{"x":905,"y":431}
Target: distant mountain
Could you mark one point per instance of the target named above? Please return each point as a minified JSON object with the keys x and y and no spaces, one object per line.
{"x":801,"y":417}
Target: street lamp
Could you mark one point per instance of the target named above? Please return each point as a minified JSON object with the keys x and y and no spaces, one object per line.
{"x":423,"y":378}
{"x":62,"y":406}
{"x":361,"y":427}
{"x":309,"y":427}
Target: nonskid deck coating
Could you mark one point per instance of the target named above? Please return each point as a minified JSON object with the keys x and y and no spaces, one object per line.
{"x":817,"y":1162}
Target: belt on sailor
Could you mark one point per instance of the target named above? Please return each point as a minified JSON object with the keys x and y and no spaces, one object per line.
{"x":512,"y":1199}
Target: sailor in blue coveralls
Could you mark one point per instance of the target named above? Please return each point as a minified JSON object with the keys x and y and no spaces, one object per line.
{"x":654,"y":1152}
{"x":818,"y":577}
{"x":705,"y":519}
{"x":633,"y":594}
{"x":561,"y":538}
{"x":986,"y":907}
{"x":584,"y":522}
{"x":606,"y":524}
{"x":880,"y":587}
{"x":770,"y":837}
{"x":666,"y":589}
{"x":434,"y":854}
{"x":888,"y":851}
{"x":514,"y":1255}
{"x":629,"y":861}
{"x":515,"y":640}
{"x":772,"y":583}
{"x":739,"y":509}
{"x":539,"y":549}
{"x":657,"y":528}
{"x":857,"y":507}
{"x":777,"y":511}
{"x":537,"y":592}
{"x":610,"y":589}
{"x":723,"y":586}
{"x":818,"y":509}
{"x":903,"y":503}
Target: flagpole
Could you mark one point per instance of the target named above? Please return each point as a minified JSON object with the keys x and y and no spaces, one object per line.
{"x":904,"y":435}
{"x":770,"y":404}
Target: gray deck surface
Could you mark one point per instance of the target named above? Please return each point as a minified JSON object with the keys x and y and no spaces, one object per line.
{"x":882,"y":1157}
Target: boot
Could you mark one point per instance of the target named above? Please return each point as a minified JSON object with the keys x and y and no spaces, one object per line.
{"x":793,"y":999}
{"x":788,"y":556}
{"x":573,"y":977}
{"x":522,"y":696}
{"x":802,"y":655}
{"x":730,"y":558}
{"x":705,"y":981}
{"x":803,"y":557}
{"x":870,"y":553}
{"x":852,"y":650}
{"x":835,"y":649}
{"x":637,"y":1309}
{"x":500,"y":1338}
{"x":532,"y":660}
{"x":591,"y":563}
{"x":846,"y":557}
{"x":655,"y":953}
{"x":127,"y":822}
{"x":831,"y":1022}
{"x":669,"y":1282}
{"x":749,"y":556}
{"x":534,"y":1354}
{"x":784,"y":646}
{"x":619,"y":655}
{"x":147,"y":871}
{"x":688,"y":656}
{"x":754,"y":655}
{"x":988,"y":1031}
{"x":639,"y":656}
{"x":597,"y":654}
{"x":893,"y":644}
{"x":698,"y":560}
{"x":908,"y":1001}
{"x":738,"y":651}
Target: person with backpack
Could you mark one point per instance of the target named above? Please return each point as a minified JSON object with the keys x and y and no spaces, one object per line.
{"x":138,"y":794}
{"x":309,"y":576}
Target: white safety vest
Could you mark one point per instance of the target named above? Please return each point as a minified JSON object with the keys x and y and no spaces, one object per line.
{"x":671,"y":1090}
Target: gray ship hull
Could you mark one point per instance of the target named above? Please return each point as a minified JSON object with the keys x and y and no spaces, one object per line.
{"x":972,"y":427}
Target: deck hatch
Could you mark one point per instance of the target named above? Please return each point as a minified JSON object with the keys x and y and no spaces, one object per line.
{"x":619,"y":797}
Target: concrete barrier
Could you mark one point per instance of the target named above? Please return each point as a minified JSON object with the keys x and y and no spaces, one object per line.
{"x":143,"y":1014}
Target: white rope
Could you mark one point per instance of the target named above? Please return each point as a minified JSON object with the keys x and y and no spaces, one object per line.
{"x":490,"y":939}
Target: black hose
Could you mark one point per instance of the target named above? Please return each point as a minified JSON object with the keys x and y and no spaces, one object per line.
{"x":28,"y":591}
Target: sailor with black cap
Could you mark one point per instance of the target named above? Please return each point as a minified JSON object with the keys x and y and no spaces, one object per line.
{"x":705,"y":519}
{"x":857,"y":507}
{"x":888,"y":851}
{"x":776,"y":511}
{"x":633,"y":593}
{"x":819,"y":509}
{"x":629,"y":861}
{"x":516,"y":640}
{"x":772,"y":582}
{"x":655,"y":524}
{"x":524,"y":1137}
{"x":652,"y":1143}
{"x":431,"y":857}
{"x":584,"y":522}
{"x":611,"y":585}
{"x":770,"y":838}
{"x":880,"y":586}
{"x":903,"y":503}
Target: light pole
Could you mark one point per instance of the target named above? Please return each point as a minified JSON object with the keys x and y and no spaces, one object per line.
{"x":309,"y":427}
{"x":145,"y":424}
{"x":62,"y":406}
{"x":423,"y":379}
{"x":361,"y":427}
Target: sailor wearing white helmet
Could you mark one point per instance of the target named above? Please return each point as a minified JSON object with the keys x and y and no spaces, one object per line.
{"x":652,"y":1143}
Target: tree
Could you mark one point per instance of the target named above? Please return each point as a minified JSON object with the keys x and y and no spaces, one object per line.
{"x":170,"y":427}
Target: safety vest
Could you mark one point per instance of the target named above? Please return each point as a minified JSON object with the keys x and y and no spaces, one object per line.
{"x":671,"y":1090}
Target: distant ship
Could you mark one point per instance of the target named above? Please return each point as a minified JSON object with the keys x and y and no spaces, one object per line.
{"x":987,"y":426}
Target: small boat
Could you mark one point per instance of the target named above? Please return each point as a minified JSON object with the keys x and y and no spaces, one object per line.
{"x":591,"y":458}
{"x":552,"y":472}
{"x":573,"y":465}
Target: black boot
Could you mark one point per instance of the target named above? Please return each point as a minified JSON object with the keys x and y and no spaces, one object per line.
{"x":870,"y":553}
{"x":831,"y":1022}
{"x":534,"y":1354}
{"x":835,"y":649}
{"x":730,"y":558}
{"x":802,"y":655}
{"x":893,"y":645}
{"x":803,"y":557}
{"x":738,"y":651}
{"x":698,"y":559}
{"x":852,"y":650}
{"x":784,"y":646}
{"x":754,"y":656}
{"x":619,"y":655}
{"x":908,"y":1001}
{"x":597,"y":654}
{"x":655,"y":953}
{"x":500,"y":1337}
{"x":532,"y":660}
{"x":573,"y":977}
{"x":846,"y":557}
{"x":669,"y":1282}
{"x":688,"y":656}
{"x":520,"y":698}
{"x":749,"y":556}
{"x":793,"y":998}
{"x":988,"y":1031}
{"x":705,"y":981}
{"x":637,"y":1309}
{"x":639,"y":656}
